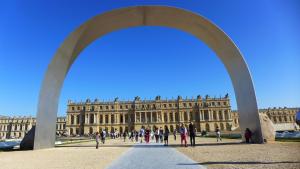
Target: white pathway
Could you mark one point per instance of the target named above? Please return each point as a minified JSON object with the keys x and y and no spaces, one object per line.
{"x":154,"y":156}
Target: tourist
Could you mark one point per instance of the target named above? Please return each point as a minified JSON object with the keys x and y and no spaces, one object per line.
{"x":124,"y":136}
{"x":103,"y":135}
{"x":136,"y":136}
{"x":183,"y":134}
{"x":147,"y":135}
{"x":156,"y":134}
{"x":174,"y":134}
{"x":142,"y":133}
{"x":132,"y":135}
{"x":97,"y":140}
{"x":218,"y":134}
{"x":166,"y":135}
{"x":152,"y":135}
{"x":248,"y":135}
{"x":192,"y":133}
{"x":161,"y":133}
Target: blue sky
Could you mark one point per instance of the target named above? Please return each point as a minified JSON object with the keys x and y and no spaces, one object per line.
{"x":148,"y":61}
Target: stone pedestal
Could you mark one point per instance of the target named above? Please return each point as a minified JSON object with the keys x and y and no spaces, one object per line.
{"x":267,"y":127}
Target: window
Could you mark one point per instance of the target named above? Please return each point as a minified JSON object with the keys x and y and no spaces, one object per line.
{"x":100,"y":107}
{"x":106,"y":107}
{"x":78,"y":108}
{"x":112,"y":107}
{"x":184,"y":104}
{"x":121,"y":107}
{"x":73,"y":108}
{"x":165,"y":105}
{"x":224,"y":103}
{"x":190,"y":104}
{"x":170,"y":105}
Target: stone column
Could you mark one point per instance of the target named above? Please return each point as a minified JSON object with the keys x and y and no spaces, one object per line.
{"x":109,"y":118}
{"x":188,"y":116}
{"x":173,"y":114}
{"x":209,"y":115}
{"x":75,"y":119}
{"x":223,"y":114}
{"x":151,"y":119}
{"x":146,"y":118}
{"x":140,"y":117}
{"x":80,"y":119}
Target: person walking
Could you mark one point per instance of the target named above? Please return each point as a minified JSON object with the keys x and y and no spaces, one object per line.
{"x":156,"y":135}
{"x":161,"y":134}
{"x":248,"y":135}
{"x":147,"y":135}
{"x":136,"y":136}
{"x":166,"y":136}
{"x":174,"y":134}
{"x":103,"y":136}
{"x":183,"y":134}
{"x":124,"y":136}
{"x":192,"y":133}
{"x":97,"y":140}
{"x":142,"y":133}
{"x":218,"y":134}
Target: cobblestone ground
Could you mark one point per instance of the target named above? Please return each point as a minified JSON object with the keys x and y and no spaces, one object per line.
{"x":231,"y":154}
{"x":72,"y":156}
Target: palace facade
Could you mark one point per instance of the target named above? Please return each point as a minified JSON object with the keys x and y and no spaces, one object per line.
{"x":17,"y":127}
{"x":282,"y":118}
{"x":207,"y":113}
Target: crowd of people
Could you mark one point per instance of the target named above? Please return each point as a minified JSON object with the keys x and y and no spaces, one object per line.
{"x":161,"y":135}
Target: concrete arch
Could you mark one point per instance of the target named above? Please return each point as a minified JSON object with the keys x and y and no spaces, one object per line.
{"x":166,"y":16}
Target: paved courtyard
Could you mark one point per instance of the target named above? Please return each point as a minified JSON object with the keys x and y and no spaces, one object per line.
{"x":116,"y":154}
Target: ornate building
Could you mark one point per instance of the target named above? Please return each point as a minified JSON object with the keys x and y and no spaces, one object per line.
{"x":17,"y":127}
{"x":282,"y":118}
{"x":206,"y":113}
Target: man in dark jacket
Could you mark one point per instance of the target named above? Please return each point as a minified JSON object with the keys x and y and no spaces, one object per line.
{"x":192,"y":133}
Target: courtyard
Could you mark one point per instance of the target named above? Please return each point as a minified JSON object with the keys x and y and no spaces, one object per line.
{"x":207,"y":153}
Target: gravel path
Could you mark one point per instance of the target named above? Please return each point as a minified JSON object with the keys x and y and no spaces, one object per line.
{"x":154,"y":156}
{"x":230,"y":154}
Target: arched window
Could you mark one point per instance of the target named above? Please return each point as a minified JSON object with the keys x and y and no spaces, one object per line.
{"x":207,"y":127}
{"x":91,"y":130}
{"x":228,"y":127}
{"x":171,"y":128}
{"x":222,"y":126}
{"x":216,"y":126}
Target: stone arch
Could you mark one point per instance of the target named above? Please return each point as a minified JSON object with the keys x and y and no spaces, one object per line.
{"x":228,"y":127}
{"x":122,"y":18}
{"x":91,"y":130}
{"x":171,"y":128}
{"x":221,"y":126}
{"x":216,"y":126}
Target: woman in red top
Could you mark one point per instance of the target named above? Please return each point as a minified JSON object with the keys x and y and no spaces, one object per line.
{"x":147,"y":135}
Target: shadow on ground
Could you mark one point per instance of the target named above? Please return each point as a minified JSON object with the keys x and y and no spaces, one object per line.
{"x":239,"y":162}
{"x":152,"y":145}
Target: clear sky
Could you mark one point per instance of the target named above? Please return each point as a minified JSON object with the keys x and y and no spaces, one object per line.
{"x":148,"y":61}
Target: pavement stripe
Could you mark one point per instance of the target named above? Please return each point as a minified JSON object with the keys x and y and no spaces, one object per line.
{"x":154,"y":156}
